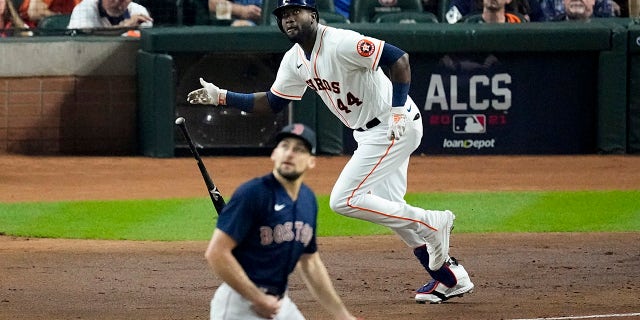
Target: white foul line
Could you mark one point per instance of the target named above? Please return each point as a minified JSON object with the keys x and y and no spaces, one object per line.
{"x":588,"y":317}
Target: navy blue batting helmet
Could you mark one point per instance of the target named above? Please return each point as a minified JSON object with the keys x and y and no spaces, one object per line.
{"x":282,"y":4}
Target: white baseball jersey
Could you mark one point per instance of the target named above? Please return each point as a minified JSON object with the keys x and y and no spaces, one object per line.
{"x":85,"y":15}
{"x":343,"y":70}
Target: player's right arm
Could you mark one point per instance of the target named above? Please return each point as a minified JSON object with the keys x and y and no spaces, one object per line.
{"x":221,"y":260}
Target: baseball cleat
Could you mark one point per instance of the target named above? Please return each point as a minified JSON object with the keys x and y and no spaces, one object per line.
{"x":427,"y":293}
{"x":438,"y":241}
{"x":435,"y":292}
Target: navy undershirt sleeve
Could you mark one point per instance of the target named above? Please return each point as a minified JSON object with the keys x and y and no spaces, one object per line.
{"x":244,"y":101}
{"x":390,"y":54}
{"x":277,"y":103}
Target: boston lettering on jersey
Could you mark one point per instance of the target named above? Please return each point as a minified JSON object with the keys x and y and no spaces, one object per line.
{"x":286,"y":232}
{"x":318,"y":84}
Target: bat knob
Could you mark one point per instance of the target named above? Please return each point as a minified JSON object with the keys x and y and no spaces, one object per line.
{"x":180,"y":120}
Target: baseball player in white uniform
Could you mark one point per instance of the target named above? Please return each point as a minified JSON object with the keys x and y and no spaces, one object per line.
{"x":343,"y":68}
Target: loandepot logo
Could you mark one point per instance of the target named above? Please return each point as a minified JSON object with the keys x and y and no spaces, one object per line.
{"x":468,"y":144}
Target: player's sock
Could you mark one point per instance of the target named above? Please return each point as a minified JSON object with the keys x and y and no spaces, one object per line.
{"x":444,"y":274}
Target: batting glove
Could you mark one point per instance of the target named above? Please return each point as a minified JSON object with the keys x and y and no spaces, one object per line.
{"x":397,"y":123}
{"x":208,"y":94}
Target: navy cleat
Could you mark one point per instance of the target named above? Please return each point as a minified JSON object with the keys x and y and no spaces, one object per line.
{"x":435,"y":292}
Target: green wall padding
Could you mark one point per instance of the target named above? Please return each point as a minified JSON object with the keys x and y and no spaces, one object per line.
{"x":156,"y":96}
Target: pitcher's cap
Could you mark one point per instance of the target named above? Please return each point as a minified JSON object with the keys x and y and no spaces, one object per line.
{"x":299,"y":130}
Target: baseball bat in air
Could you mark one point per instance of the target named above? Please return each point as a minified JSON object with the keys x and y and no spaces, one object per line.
{"x":214,"y":193}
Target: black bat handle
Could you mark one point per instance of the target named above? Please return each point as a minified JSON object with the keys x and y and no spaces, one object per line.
{"x":214,"y":193}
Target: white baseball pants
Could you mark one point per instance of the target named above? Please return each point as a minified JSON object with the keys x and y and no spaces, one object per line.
{"x":372,"y":185}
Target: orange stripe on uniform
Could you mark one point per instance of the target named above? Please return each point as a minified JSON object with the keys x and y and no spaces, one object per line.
{"x":326,"y":93}
{"x":315,"y":64}
{"x":378,"y":52}
{"x":286,"y":96}
{"x":378,"y":212}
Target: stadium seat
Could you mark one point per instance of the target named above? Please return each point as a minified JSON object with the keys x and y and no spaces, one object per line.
{"x":407,"y":17}
{"x":443,"y":7}
{"x":325,"y":6}
{"x":326,"y":10}
{"x":371,"y":10}
{"x":477,"y":17}
{"x":328,"y":14}
{"x":472,"y":18}
{"x":327,"y":17}
{"x":268,"y":6}
{"x":54,"y":25}
{"x":163,"y":12}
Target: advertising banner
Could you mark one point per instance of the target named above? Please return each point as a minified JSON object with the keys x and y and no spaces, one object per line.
{"x":506,"y":103}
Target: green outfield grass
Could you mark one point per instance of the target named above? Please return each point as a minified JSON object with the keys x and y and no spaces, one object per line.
{"x":193,"y":219}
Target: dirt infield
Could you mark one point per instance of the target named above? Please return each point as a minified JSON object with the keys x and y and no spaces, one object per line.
{"x":516,"y":275}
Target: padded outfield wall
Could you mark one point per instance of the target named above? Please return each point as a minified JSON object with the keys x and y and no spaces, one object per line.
{"x":634,"y":90}
{"x":538,"y":88}
{"x":543,"y":88}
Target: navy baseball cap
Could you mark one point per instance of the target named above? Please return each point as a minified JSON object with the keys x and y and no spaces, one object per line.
{"x":300,"y":131}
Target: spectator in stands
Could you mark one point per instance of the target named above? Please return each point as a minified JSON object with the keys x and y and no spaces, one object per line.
{"x":529,"y":9}
{"x":577,"y":10}
{"x":5,"y":21}
{"x":10,"y":21}
{"x":494,"y":11}
{"x":621,"y":8}
{"x":31,"y":11}
{"x":90,"y":14}
{"x":554,"y":10}
{"x":343,"y":7}
{"x":243,"y":12}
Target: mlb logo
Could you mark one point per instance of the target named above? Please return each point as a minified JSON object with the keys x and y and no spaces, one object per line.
{"x":469,"y":123}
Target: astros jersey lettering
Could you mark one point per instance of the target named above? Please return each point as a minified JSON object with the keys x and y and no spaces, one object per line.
{"x":335,"y":71}
{"x":270,"y":225}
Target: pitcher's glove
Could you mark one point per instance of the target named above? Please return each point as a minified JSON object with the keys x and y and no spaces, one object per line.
{"x":208,"y":94}
{"x":397,"y":123}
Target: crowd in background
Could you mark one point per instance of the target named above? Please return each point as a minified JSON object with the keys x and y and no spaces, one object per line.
{"x":21,"y":17}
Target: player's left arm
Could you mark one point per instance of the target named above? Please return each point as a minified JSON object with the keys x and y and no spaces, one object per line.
{"x":400,"y":74}
{"x":315,"y":276}
{"x":398,"y":62}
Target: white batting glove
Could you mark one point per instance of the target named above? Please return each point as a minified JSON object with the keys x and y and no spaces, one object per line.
{"x":397,"y":123}
{"x":208,"y":94}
